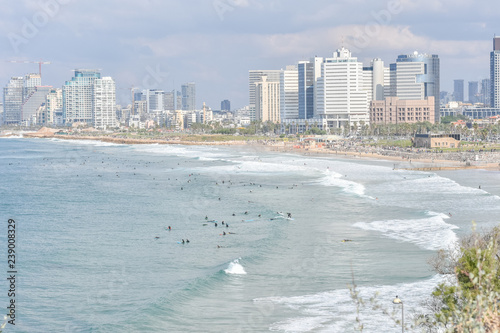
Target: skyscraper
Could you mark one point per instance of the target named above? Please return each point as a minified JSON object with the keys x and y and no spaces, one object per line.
{"x":289,"y":93}
{"x":12,"y":101}
{"x":306,"y":89}
{"x":188,"y":96}
{"x":53,"y":106}
{"x":154,"y":100}
{"x":267,"y":101}
{"x":473,"y":92}
{"x":31,"y":81}
{"x":104,"y":103}
{"x":255,"y":76}
{"x":225,"y":105}
{"x":78,"y":96}
{"x":30,"y":114}
{"x":340,"y":96}
{"x":495,"y":73}
{"x":485,"y":91}
{"x":415,"y":77}
{"x":458,"y":90}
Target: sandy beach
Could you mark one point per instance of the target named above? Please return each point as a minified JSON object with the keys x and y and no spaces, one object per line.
{"x":403,"y":159}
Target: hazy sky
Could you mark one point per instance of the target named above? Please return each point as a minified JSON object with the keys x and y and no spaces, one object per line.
{"x":164,"y":43}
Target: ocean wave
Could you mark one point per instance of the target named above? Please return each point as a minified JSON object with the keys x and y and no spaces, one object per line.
{"x":259,"y":167}
{"x":332,"y":178}
{"x":431,"y":233}
{"x":235,"y":267}
{"x":335,"y":311}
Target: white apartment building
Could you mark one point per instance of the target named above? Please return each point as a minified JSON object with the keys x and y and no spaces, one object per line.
{"x":255,"y":76}
{"x":289,"y":93}
{"x":267,"y":97}
{"x":104,"y":115}
{"x":78,"y":97}
{"x":341,"y":97}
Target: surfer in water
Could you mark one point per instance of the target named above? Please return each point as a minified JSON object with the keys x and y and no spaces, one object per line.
{"x":183,"y":241}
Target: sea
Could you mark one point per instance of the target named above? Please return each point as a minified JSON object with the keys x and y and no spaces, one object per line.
{"x":278,"y":242}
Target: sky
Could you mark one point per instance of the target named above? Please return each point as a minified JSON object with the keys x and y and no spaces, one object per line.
{"x":161,"y":44}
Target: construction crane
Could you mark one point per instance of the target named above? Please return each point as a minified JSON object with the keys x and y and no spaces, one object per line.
{"x":40,"y":63}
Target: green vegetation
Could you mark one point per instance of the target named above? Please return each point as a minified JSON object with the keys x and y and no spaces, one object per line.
{"x":451,"y":119}
{"x":471,"y":302}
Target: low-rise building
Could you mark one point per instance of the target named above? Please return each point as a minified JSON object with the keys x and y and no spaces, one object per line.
{"x":436,"y":140}
{"x":393,"y":110}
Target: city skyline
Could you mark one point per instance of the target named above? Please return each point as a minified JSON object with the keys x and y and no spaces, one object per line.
{"x":165,"y":44}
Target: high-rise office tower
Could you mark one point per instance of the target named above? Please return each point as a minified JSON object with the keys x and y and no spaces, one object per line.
{"x":104,"y":103}
{"x":495,"y":73}
{"x":458,"y":90}
{"x":53,"y":106}
{"x":154,"y":100}
{"x":306,"y":83}
{"x":415,"y":77}
{"x":12,"y":101}
{"x":473,"y":92}
{"x":78,"y":96}
{"x":188,"y":96}
{"x":340,"y":95}
{"x":485,"y":92}
{"x":255,"y":76}
{"x":267,"y":101}
{"x":31,"y":81}
{"x":289,"y":93}
{"x":225,"y":105}
{"x":380,"y":79}
{"x":30,"y":110}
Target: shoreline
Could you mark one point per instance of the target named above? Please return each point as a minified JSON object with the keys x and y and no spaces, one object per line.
{"x":403,"y":159}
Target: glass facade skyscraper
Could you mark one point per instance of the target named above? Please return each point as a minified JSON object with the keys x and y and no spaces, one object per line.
{"x":495,"y":73}
{"x":306,"y":89}
{"x":417,"y":77}
{"x":458,"y":90}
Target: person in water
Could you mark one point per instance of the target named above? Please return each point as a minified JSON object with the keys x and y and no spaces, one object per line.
{"x":183,"y":241}
{"x":169,"y":228}
{"x":187,"y":240}
{"x":223,"y":233}
{"x":215,"y":224}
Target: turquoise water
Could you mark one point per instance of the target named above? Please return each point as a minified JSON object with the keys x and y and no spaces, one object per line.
{"x":88,"y":213}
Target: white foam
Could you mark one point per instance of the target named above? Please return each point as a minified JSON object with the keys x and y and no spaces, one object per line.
{"x":260,"y":167}
{"x":96,"y":143}
{"x":338,"y":180}
{"x":431,"y":233}
{"x":335,"y":311}
{"x":235,"y":267}
{"x":205,"y":153}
